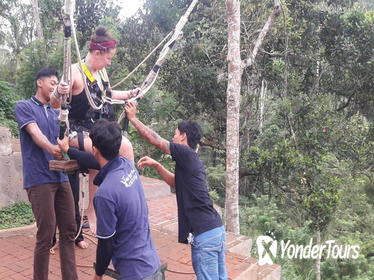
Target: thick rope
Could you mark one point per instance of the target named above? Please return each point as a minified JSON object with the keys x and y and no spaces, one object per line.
{"x":149,"y":81}
{"x":143,"y":61}
{"x":87,"y":91}
{"x":152,"y":76}
{"x":63,"y":117}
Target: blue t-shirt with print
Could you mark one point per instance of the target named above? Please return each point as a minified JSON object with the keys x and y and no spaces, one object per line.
{"x":122,"y":213}
{"x":35,"y":160}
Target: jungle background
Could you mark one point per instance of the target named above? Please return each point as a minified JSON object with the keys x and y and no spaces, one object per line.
{"x":307,"y":106}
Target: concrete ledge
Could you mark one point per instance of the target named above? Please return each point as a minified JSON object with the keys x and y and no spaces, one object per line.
{"x":25,"y":230}
{"x":250,"y":272}
{"x":5,"y":141}
{"x":254,"y":271}
{"x":239,"y":244}
{"x":270,"y":272}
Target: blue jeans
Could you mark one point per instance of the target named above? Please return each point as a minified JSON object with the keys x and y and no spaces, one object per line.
{"x":208,"y":254}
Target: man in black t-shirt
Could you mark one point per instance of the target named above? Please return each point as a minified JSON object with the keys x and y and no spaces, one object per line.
{"x":198,"y":221}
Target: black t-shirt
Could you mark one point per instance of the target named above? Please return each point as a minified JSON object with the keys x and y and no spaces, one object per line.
{"x":195,"y":208}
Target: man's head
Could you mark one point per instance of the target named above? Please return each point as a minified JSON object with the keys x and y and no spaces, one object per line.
{"x":46,"y":82}
{"x":106,"y":139}
{"x":188,"y":132}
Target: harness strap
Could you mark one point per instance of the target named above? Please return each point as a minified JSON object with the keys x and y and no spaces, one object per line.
{"x":80,"y":140}
{"x":94,"y":83}
{"x":98,"y":95}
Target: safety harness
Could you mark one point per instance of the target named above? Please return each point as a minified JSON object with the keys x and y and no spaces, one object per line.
{"x":98,"y":94}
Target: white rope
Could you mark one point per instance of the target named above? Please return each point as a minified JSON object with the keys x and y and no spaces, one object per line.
{"x":152,"y":76}
{"x":144,"y":60}
{"x":67,"y":12}
{"x":86,"y":90}
{"x":177,"y":34}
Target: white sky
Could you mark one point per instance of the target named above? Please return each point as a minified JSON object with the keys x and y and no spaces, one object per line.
{"x":129,"y":7}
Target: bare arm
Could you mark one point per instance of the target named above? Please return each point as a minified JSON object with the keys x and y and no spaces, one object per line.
{"x":64,"y":88}
{"x":151,"y":136}
{"x":124,"y":94}
{"x":165,"y":174}
{"x":41,"y":140}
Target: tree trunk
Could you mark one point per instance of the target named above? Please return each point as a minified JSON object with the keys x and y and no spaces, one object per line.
{"x":38,"y":24}
{"x":233,"y":106}
{"x":263,"y":92}
{"x":318,"y":260}
{"x":235,"y":70}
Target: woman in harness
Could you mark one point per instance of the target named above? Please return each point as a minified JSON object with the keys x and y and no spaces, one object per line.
{"x":102,"y":48}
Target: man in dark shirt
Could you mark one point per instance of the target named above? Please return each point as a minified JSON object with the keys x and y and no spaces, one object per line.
{"x":196,"y":214}
{"x":121,"y":210}
{"x":49,"y":192}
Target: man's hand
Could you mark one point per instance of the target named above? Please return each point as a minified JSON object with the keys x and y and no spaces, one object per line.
{"x":166,"y":175}
{"x":147,"y":161}
{"x":63,"y":144}
{"x":55,"y":151}
{"x":97,"y":277}
{"x":63,"y":88}
{"x":131,"y":110}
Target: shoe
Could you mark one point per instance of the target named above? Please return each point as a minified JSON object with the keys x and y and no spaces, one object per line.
{"x":86,"y":224}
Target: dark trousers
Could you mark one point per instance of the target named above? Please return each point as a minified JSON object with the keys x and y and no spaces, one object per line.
{"x":74,"y":183}
{"x":52,"y":204}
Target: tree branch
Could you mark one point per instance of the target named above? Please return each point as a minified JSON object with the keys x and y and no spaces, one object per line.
{"x":244,"y":172}
{"x":212,"y":144}
{"x":346,"y":104}
{"x":251,"y":58}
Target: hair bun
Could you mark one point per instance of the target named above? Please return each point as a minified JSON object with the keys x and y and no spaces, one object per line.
{"x":101,"y":31}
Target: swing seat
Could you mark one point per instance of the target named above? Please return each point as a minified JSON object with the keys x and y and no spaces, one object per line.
{"x":63,"y":165}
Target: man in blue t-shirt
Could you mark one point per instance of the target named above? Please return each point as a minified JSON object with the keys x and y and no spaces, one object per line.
{"x":49,"y":192}
{"x":121,"y":210}
{"x":197,"y":217}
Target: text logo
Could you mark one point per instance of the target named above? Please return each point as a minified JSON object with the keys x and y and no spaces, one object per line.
{"x":267,"y":249}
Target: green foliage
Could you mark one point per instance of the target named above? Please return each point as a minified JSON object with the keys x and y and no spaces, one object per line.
{"x":8,"y":99}
{"x":19,"y":214}
{"x":216,"y":181}
{"x":352,"y":224}
{"x":349,"y":48}
{"x":34,"y":58}
{"x":262,"y":216}
{"x":89,"y":15}
{"x":306,"y":143}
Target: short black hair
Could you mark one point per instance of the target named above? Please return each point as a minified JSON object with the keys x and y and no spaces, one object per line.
{"x":106,"y":137}
{"x":193,"y":131}
{"x":46,"y":72}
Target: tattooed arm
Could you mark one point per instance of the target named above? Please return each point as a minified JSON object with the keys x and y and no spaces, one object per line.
{"x":151,"y":136}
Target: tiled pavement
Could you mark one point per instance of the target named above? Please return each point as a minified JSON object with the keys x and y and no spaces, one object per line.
{"x":16,"y":252}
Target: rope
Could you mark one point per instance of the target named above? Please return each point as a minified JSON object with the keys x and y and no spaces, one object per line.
{"x":152,"y":76}
{"x":144,"y":60}
{"x":63,"y":117}
{"x":81,"y":196}
{"x":89,"y":238}
{"x":87,"y":91}
{"x":179,"y":272}
{"x":177,"y":34}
